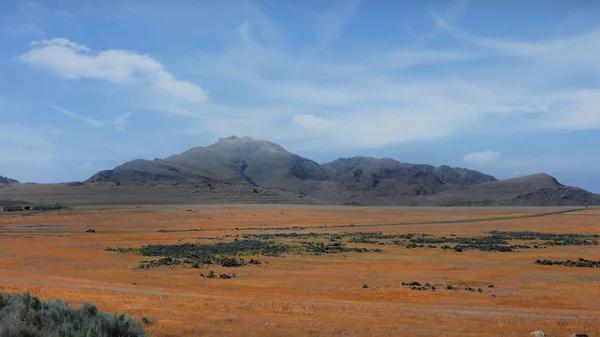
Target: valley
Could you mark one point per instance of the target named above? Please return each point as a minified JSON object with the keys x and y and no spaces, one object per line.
{"x":295,"y":270}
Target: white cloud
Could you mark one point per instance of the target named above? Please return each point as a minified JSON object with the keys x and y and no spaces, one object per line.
{"x":118,"y":122}
{"x":72,"y":61}
{"x":350,"y":92}
{"x":311,"y":122}
{"x":481,"y":158}
{"x":60,"y":42}
{"x":370,"y":97}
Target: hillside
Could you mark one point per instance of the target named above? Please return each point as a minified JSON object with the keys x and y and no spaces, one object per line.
{"x":204,"y":191}
{"x":236,"y":160}
{"x":533,"y":190}
{"x":356,"y":180}
{"x":373,"y":178}
{"x":254,"y":162}
{"x":5,"y":180}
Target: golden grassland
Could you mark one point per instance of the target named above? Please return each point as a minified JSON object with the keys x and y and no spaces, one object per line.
{"x":50,"y":255}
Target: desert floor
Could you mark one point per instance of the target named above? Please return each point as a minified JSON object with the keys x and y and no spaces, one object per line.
{"x":52,"y":256}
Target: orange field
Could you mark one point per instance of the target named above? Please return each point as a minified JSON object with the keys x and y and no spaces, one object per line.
{"x":52,"y":256}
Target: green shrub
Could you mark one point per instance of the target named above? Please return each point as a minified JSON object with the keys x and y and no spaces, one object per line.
{"x":27,"y":316}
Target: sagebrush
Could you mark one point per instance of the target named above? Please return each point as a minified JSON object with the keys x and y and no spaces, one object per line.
{"x":28,"y":316}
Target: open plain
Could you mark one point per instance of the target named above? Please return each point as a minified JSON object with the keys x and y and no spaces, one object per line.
{"x":374,"y":271}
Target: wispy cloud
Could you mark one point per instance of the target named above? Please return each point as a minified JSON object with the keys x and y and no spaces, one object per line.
{"x":481,"y":158}
{"x":410,"y":31}
{"x":118,"y":122}
{"x":33,"y":18}
{"x":72,"y":61}
{"x":355,"y":93}
{"x":581,"y":48}
{"x":333,"y":22}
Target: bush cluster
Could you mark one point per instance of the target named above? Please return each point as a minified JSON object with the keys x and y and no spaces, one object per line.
{"x":26,"y":315}
{"x":166,"y":261}
{"x":224,"y":253}
{"x":122,"y":250}
{"x":497,"y":241}
{"x":319,"y":248}
{"x":213,"y":275}
{"x":206,"y":251}
{"x":580,"y":263}
{"x":414,"y":285}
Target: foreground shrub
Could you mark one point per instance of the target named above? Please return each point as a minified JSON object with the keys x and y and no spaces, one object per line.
{"x":24,"y":315}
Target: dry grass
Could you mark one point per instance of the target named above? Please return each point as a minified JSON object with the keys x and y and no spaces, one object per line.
{"x":50,"y":255}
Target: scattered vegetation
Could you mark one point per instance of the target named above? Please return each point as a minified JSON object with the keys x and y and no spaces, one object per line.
{"x":122,"y":250}
{"x":25,"y":315}
{"x":212,"y":275}
{"x":496,"y":241}
{"x":580,"y":263}
{"x":227,"y":254}
{"x":293,"y":228}
{"x":226,"y":276}
{"x":167,"y":261}
{"x":207,"y":251}
{"x":414,"y":285}
{"x":319,"y":248}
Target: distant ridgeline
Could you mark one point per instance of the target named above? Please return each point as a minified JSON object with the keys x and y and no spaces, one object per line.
{"x":347,"y":181}
{"x":5,"y":180}
{"x":23,"y":207}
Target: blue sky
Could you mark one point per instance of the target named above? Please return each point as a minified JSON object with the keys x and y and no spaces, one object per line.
{"x":506,"y":87}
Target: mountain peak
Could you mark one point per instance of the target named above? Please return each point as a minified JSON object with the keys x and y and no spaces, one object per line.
{"x":246,"y":143}
{"x":543,"y":179}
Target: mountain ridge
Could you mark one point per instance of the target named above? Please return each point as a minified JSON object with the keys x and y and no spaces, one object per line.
{"x":356,"y":180}
{"x":6,"y":180}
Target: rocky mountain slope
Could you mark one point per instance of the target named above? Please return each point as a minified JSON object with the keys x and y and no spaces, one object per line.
{"x":358,"y":180}
{"x":236,"y":160}
{"x":5,"y":180}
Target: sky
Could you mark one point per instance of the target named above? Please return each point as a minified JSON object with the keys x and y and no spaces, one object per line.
{"x":505,"y":87}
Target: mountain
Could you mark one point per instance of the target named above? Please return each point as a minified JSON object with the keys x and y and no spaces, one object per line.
{"x":236,"y":160}
{"x":357,"y":180}
{"x":5,"y":180}
{"x":389,"y":178}
{"x":532,"y":190}
{"x":261,"y":163}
